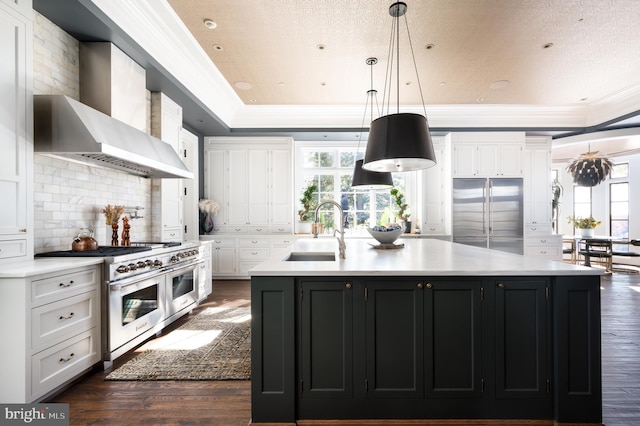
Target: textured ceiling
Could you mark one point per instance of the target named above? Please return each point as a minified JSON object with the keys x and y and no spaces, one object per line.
{"x":484,"y":51}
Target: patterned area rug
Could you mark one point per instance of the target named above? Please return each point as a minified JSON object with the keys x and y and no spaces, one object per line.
{"x":214,"y":345}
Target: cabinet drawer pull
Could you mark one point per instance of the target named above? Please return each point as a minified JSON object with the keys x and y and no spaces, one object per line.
{"x":254,"y":242}
{"x":429,"y":285}
{"x":254,"y":253}
{"x":500,"y":285}
{"x":543,"y":241}
{"x":65,"y":360}
{"x":71,"y":315}
{"x":23,"y":230}
{"x":258,"y":229}
{"x":419,"y":285}
{"x":66,"y":285}
{"x":347,"y":285}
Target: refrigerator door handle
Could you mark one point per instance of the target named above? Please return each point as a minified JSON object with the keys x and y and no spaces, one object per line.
{"x":489,"y":203}
{"x":484,"y":209}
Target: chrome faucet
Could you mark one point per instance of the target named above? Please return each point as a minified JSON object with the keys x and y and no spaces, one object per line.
{"x":342,"y":247}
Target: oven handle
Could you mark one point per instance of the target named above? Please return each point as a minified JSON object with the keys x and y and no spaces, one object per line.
{"x":118,"y":286}
{"x":179,"y":267}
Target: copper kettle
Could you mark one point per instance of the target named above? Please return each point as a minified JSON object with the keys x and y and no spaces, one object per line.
{"x":84,"y":241}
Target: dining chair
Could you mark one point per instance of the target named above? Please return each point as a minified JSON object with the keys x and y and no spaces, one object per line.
{"x":598,"y":250}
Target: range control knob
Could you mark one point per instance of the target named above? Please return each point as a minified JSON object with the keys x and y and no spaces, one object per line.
{"x":122,"y":269}
{"x":174,"y":258}
{"x":132,"y":266}
{"x":141,"y":265}
{"x":149,"y":262}
{"x":157,"y":263}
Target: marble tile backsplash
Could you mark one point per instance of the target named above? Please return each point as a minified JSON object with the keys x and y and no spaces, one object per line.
{"x":69,"y":196}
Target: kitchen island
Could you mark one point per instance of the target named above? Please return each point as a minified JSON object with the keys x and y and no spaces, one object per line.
{"x":433,"y":330}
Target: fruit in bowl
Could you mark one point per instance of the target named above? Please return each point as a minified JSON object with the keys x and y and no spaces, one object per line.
{"x":386,"y":234}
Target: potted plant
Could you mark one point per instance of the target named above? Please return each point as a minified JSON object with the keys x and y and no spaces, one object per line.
{"x":585,"y":225}
{"x":556,"y":192}
{"x":305,"y":214}
{"x":402,"y":213}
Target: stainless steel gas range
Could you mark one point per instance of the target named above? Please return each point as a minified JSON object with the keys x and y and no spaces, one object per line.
{"x":146,"y":287}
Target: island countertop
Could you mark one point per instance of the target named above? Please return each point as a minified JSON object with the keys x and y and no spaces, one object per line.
{"x":417,"y":257}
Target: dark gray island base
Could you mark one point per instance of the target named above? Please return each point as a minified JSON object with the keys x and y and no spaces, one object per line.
{"x":426,"y":347}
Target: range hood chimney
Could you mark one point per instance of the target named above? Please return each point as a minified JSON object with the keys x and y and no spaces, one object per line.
{"x":107,"y":128}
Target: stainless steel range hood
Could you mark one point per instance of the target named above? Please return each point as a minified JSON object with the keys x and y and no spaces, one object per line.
{"x":67,"y":128}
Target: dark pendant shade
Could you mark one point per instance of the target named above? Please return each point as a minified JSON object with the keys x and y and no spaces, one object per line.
{"x":366,"y":179}
{"x":589,"y":169}
{"x":399,"y":143}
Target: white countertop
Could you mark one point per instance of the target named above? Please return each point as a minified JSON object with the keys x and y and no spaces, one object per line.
{"x":46,"y":265}
{"x":424,"y":256}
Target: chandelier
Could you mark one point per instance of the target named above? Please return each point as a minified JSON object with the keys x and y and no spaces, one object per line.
{"x":590,"y":169}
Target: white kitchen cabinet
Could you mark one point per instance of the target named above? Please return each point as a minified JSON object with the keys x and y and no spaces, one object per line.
{"x":251,"y":180}
{"x":191,"y":187}
{"x":223,"y":257}
{"x":537,"y":182}
{"x":538,"y":238}
{"x":16,"y":135}
{"x":205,"y":285}
{"x":546,"y":246}
{"x":167,"y":212}
{"x":251,"y":251}
{"x":25,"y":7}
{"x":436,"y":192}
{"x":487,"y":154}
{"x":57,"y":339}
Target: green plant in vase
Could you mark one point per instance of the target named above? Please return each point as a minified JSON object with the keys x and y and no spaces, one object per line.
{"x":402,"y":212}
{"x":305,"y":214}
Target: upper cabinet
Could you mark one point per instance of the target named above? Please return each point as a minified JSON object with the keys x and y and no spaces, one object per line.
{"x":251,"y":180}
{"x":16,"y":133}
{"x":487,"y":154}
{"x":436,"y":190}
{"x":167,"y":197}
{"x":25,"y":7}
{"x":537,"y":183}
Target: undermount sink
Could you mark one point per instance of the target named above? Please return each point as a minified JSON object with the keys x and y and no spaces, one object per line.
{"x":311,"y":257}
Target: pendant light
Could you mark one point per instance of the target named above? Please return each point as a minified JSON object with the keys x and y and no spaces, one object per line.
{"x":366,"y":179}
{"x":399,"y":142}
{"x":590,"y":169}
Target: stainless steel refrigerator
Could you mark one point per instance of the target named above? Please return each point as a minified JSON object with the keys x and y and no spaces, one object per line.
{"x":488,"y":213}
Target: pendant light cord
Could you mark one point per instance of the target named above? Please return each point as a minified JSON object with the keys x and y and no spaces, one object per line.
{"x":395,"y":39}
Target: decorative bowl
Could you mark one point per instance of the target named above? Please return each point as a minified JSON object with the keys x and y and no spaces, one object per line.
{"x":386,"y":235}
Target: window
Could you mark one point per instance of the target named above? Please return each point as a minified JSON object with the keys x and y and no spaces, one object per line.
{"x":619,"y":202}
{"x":331,"y":169}
{"x":619,"y":208}
{"x":581,"y":201}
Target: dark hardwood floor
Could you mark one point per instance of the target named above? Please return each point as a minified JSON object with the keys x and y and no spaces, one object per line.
{"x":94,"y":401}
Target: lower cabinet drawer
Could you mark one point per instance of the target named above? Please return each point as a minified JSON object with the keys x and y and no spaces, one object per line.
{"x":55,"y":321}
{"x":65,"y":285}
{"x":13,"y":248}
{"x":432,"y":229}
{"x":62,"y":362}
{"x":253,"y":254}
{"x":546,"y":252}
{"x":172,"y":234}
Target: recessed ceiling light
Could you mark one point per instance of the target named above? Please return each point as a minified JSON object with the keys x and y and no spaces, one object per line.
{"x":253,"y":101}
{"x":218,"y":47}
{"x":500,"y":84}
{"x":443,"y":83}
{"x":210,"y":24}
{"x":321,"y":47}
{"x":583,"y":99}
{"x":480,"y":100}
{"x":547,"y":45}
{"x":280,"y":83}
{"x":430,"y":46}
{"x":242,"y":85}
{"x":323,"y":83}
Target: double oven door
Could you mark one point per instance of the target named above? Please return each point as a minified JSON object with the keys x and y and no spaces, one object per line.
{"x":136,"y":306}
{"x":181,"y":289}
